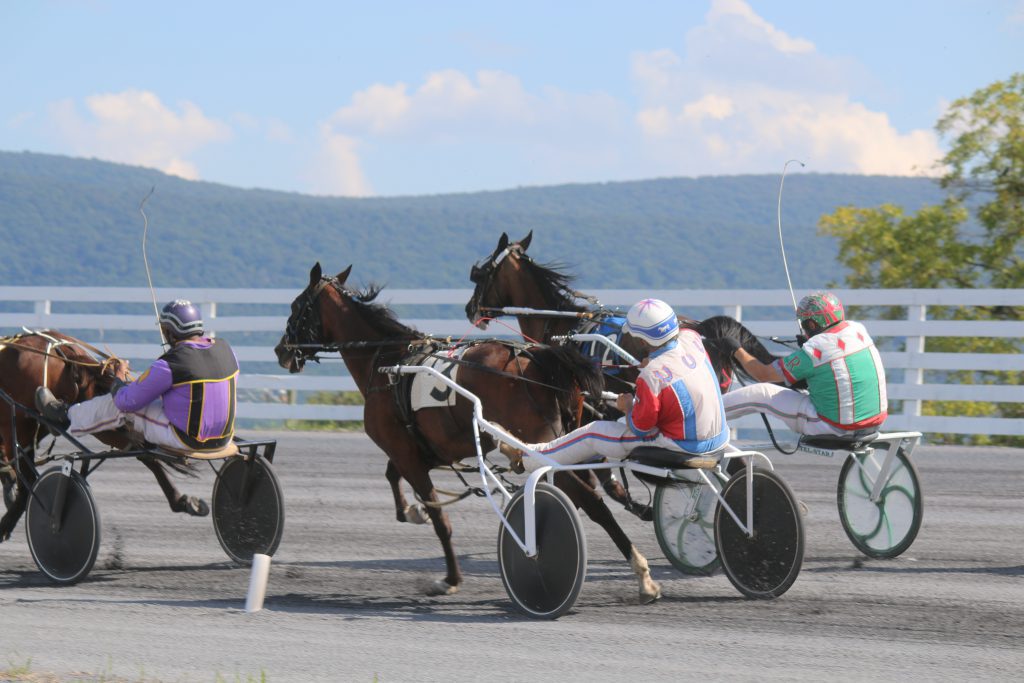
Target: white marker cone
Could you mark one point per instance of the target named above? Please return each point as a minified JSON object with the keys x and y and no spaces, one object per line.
{"x":257,"y":582}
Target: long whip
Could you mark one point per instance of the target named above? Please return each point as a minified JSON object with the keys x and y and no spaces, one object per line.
{"x":145,"y":260}
{"x":782,"y":245}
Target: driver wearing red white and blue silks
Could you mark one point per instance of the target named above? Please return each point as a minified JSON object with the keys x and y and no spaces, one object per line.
{"x":185,"y":400}
{"x":677,"y":404}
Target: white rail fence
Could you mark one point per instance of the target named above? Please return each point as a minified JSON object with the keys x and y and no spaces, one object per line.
{"x":35,"y":311}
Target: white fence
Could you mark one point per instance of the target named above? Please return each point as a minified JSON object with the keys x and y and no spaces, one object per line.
{"x":37,"y":304}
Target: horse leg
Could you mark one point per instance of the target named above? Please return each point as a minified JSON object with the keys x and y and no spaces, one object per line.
{"x":26,"y":477}
{"x":424,"y":488}
{"x":403,"y":511}
{"x":179,"y":502}
{"x":588,"y":500}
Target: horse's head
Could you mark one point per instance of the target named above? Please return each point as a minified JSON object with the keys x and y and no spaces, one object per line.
{"x":494,"y":278}
{"x":303,"y":335}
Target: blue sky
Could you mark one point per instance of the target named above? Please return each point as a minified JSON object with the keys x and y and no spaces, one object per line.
{"x":394,"y":98}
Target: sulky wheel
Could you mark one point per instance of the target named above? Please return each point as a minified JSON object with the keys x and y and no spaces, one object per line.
{"x":62,"y":524}
{"x":248,"y":510}
{"x":767,"y":563}
{"x":684,"y":524}
{"x":886,"y":527}
{"x":545,"y":586}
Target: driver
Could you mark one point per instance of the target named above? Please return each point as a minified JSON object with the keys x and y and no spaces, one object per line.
{"x":185,"y":400}
{"x":842,"y":367}
{"x":677,"y":405}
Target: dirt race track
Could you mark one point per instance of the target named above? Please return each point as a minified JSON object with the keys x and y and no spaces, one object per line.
{"x":345,"y":599}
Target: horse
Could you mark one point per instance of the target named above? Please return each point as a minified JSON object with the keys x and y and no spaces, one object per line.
{"x":74,"y":372}
{"x":531,"y":390}
{"x":509,"y":277}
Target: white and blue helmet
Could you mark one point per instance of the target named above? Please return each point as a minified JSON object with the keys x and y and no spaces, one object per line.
{"x":652,"y":320}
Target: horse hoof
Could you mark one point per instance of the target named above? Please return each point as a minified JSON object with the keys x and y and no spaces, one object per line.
{"x":416,"y":514}
{"x":442,"y":587}
{"x":649,"y":594}
{"x":195,"y":507}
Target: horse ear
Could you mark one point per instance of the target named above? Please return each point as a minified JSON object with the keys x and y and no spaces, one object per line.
{"x":315,"y":273}
{"x":343,"y":275}
{"x":502,"y":241}
{"x":525,"y":242}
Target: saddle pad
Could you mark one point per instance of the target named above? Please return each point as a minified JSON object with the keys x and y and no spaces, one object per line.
{"x":429,"y":392}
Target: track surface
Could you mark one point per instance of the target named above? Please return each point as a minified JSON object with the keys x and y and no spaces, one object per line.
{"x":345,"y":599}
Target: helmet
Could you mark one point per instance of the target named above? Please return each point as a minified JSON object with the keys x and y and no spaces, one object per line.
{"x":181,"y":318}
{"x":652,"y":320}
{"x":819,"y":311}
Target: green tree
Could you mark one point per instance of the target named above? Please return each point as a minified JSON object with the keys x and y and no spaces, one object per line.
{"x":939,"y":247}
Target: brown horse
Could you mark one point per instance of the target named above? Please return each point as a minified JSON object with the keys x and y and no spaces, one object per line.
{"x":531,"y":390}
{"x":74,"y":373}
{"x":509,"y":277}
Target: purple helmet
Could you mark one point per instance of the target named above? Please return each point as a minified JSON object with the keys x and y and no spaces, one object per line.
{"x":181,"y":318}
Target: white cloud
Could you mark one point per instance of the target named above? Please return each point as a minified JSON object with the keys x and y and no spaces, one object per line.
{"x":338,"y":171}
{"x":446,"y":102}
{"x":753,"y":28}
{"x":747,"y":96}
{"x":135,"y":127}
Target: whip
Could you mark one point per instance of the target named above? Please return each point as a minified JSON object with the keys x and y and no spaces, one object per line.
{"x":145,"y":260}
{"x":782,"y":245}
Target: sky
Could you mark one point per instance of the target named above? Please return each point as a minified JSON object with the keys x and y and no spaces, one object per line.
{"x":416,"y":98}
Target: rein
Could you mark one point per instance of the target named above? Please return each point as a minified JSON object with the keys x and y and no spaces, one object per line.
{"x":107,"y":359}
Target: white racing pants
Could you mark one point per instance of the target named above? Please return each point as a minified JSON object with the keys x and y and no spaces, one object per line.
{"x":100,"y":414}
{"x":603,"y":438}
{"x":789,"y":405}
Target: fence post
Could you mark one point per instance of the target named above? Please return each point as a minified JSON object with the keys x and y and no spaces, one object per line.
{"x":208,"y":309}
{"x":41,"y":309}
{"x":915,"y":347}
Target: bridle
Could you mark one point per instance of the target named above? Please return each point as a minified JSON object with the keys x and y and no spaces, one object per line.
{"x":482,"y":273}
{"x":307,"y":324}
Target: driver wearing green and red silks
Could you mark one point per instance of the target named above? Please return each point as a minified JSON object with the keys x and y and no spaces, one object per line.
{"x":842,"y":368}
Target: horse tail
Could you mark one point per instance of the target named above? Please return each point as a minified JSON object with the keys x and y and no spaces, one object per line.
{"x":723,"y":327}
{"x":568,"y":369}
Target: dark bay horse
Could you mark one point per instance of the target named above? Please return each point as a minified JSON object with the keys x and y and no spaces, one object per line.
{"x":533,"y":391}
{"x":74,"y":373}
{"x":509,"y":277}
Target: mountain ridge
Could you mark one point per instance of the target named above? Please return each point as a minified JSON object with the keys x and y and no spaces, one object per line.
{"x":693,"y":233}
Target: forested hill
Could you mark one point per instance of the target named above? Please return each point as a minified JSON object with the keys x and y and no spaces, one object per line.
{"x":71,"y":221}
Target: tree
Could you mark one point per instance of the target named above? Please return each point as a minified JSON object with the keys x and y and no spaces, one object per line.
{"x":940,"y":247}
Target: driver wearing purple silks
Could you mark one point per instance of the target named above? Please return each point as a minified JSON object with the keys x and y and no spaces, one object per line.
{"x":185,"y":400}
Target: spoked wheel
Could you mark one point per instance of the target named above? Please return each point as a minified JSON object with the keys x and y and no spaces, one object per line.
{"x":885,"y":527}
{"x":545,"y":586}
{"x":248,"y":510}
{"x":767,"y":563}
{"x":684,"y":524}
{"x":62,"y":524}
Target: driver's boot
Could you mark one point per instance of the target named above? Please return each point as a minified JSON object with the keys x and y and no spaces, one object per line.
{"x":53,"y":410}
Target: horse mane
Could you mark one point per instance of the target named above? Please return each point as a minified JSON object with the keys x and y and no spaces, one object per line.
{"x":554,"y":283}
{"x":378,"y":315}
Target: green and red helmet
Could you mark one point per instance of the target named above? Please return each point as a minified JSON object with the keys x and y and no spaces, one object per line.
{"x":819,"y":311}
